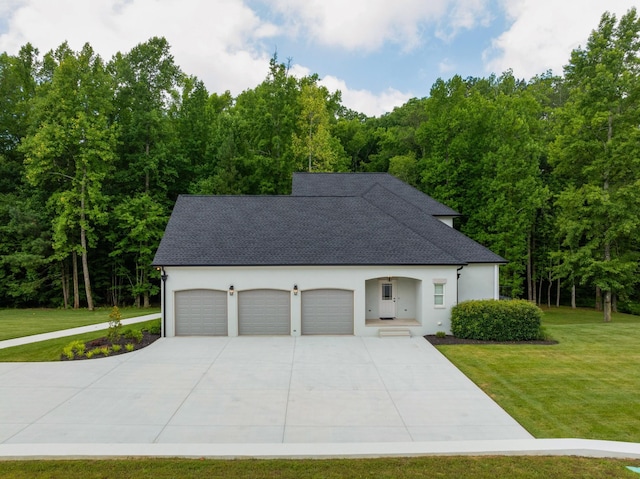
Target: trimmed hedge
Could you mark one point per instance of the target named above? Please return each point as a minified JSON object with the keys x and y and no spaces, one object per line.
{"x":492,"y":320}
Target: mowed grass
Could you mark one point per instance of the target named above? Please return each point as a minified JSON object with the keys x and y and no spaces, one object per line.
{"x":15,"y":323}
{"x":51,"y":350}
{"x":423,"y":467}
{"x":587,"y":386}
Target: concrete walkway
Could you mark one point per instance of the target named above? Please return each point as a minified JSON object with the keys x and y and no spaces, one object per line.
{"x":262,"y":397}
{"x":8,"y":343}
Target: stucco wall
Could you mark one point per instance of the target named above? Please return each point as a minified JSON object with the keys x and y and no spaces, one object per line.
{"x":415,"y":283}
{"x":478,"y":281}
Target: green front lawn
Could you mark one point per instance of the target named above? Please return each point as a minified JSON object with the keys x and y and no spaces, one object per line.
{"x":52,"y":349}
{"x":422,"y":467}
{"x":587,"y":386}
{"x":15,"y":323}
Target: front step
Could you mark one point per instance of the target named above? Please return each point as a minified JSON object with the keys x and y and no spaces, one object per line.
{"x":386,"y":332}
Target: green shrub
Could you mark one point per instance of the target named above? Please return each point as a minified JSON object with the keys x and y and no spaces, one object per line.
{"x":155,"y":328}
{"x":116,"y":348}
{"x":491,"y":320}
{"x":73,"y":349}
{"x":129,"y":347}
{"x":441,"y":334}
{"x":133,"y":334}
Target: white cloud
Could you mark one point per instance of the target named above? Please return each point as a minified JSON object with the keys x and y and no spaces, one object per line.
{"x":366,"y":25}
{"x":464,"y":15}
{"x":364,"y":101}
{"x":446,"y":66}
{"x":544,"y":32}
{"x":220,"y":42}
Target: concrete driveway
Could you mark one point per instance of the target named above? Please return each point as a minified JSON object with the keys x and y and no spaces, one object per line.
{"x":251,"y":390}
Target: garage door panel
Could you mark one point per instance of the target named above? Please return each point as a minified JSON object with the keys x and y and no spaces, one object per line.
{"x":264,"y":311}
{"x":201,"y":312}
{"x":327,"y":311}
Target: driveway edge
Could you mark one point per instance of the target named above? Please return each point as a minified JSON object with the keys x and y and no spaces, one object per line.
{"x":526,"y":447}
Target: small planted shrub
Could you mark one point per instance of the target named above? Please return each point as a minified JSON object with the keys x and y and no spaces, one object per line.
{"x":129,"y":347}
{"x":115,"y":326}
{"x":73,"y":350}
{"x":116,"y":348}
{"x":155,"y":328}
{"x":491,"y":320}
{"x":133,"y":334}
{"x":441,"y":334}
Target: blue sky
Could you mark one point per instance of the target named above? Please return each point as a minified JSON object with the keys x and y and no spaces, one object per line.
{"x":379,"y":53}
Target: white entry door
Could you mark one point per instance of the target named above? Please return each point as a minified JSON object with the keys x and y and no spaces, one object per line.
{"x":387,"y":299}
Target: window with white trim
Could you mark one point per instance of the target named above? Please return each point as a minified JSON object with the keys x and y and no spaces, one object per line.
{"x":438,"y":295}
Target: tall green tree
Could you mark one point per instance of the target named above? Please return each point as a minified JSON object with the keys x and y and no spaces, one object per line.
{"x":150,"y":157}
{"x":70,"y":149}
{"x":147,"y":81}
{"x":597,"y":149}
{"x":313,"y":145}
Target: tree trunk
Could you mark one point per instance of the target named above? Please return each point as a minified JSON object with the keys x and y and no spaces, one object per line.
{"x":76,"y":286}
{"x":540,"y":292}
{"x":558,"y":294}
{"x":530,"y":287}
{"x":83,"y":245}
{"x":147,"y":179}
{"x":607,"y":306}
{"x":534,"y":299}
{"x":573,"y":296}
{"x":145,"y":295}
{"x":65,"y":285}
{"x":607,"y":243}
{"x":549,"y":291}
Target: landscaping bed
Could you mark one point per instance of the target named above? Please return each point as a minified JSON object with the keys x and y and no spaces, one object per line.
{"x":104,"y":347}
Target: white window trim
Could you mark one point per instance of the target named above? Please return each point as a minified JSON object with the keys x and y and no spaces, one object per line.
{"x":436,"y":295}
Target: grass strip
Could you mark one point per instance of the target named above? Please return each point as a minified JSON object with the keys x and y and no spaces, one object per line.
{"x":50,"y":350}
{"x":489,"y":467}
{"x":16,"y":323}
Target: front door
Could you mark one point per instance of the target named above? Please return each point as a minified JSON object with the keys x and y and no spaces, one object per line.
{"x":387,"y":299}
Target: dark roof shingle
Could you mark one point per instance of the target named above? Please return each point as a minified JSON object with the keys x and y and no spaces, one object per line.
{"x":356,"y":184}
{"x":360,"y":222}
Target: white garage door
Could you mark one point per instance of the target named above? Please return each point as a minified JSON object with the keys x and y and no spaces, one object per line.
{"x":264,"y":311}
{"x":327,"y":311}
{"x":201,"y":312}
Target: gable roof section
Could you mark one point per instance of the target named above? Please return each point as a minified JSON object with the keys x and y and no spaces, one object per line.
{"x":291,"y":230}
{"x":356,"y":184}
{"x":432,"y":229}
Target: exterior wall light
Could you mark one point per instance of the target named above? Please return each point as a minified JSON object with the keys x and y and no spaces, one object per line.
{"x":295,"y":289}
{"x":231,"y":290}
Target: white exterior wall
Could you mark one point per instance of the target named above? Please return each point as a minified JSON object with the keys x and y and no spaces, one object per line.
{"x":478,"y":281}
{"x":447,"y":220}
{"x":353,"y":278}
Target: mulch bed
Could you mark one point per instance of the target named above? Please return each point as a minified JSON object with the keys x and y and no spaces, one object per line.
{"x":451,"y":340}
{"x":147,"y":339}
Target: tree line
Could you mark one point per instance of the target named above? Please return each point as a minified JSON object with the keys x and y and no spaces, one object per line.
{"x":545,"y":172}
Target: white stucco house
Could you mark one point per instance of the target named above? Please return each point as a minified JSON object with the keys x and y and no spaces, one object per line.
{"x":346,"y":253}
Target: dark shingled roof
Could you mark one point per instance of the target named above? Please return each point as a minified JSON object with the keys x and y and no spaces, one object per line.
{"x":375,"y":226}
{"x":286,"y":230}
{"x":356,"y":184}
